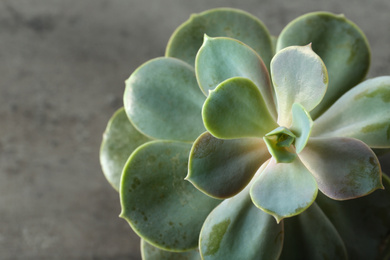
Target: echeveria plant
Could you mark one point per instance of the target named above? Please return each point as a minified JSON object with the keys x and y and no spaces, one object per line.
{"x":239,"y":145}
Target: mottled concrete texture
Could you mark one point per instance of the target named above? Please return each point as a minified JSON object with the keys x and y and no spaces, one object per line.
{"x":62,"y":68}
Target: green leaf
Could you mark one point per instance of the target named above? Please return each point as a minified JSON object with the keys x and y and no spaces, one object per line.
{"x":299,"y":76}
{"x":236,"y":109}
{"x":362,"y":113}
{"x":150,"y":252}
{"x":237,"y":229}
{"x":363,"y":223}
{"x":311,"y":235}
{"x":301,"y":126}
{"x":284,"y":189}
{"x":158,"y":203}
{"x":278,"y":143}
{"x":163,"y":100}
{"x":120,"y":139}
{"x":344,"y":168}
{"x":222,"y":58}
{"x":222,"y":168}
{"x":340,"y":43}
{"x":187,"y":38}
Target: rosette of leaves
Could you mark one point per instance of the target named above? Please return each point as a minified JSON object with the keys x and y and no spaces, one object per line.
{"x":261,"y":128}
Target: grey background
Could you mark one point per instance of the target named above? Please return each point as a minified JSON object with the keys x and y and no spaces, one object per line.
{"x":62,"y":68}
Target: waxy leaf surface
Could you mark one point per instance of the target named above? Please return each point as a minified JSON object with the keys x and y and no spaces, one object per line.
{"x":150,"y":252}
{"x":163,"y":100}
{"x":363,"y":223}
{"x":284,"y":189}
{"x":341,"y":45}
{"x":237,"y":229}
{"x":120,"y":139}
{"x":362,"y":113}
{"x":301,"y":126}
{"x":228,"y":22}
{"x":299,"y":76}
{"x":344,"y":168}
{"x":222,"y":168}
{"x":223,"y":58}
{"x":159,"y":204}
{"x":311,"y":235}
{"x":236,"y":109}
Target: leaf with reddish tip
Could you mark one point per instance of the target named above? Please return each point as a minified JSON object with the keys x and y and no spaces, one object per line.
{"x":344,"y":168}
{"x":222,"y":168}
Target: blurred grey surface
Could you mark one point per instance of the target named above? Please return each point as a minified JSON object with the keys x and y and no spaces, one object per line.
{"x":62,"y":69}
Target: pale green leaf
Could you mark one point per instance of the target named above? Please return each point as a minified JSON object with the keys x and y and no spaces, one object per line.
{"x":362,"y":113}
{"x":340,"y":43}
{"x":158,"y":203}
{"x":149,"y":252}
{"x":223,"y":58}
{"x":222,"y":168}
{"x":311,"y":235}
{"x":363,"y":223}
{"x":284,"y":189}
{"x":163,"y":100}
{"x":279,"y":143}
{"x":227,"y":22}
{"x":120,"y":139}
{"x":301,"y":126}
{"x":237,"y":229}
{"x":299,"y":76}
{"x":344,"y":168}
{"x":237,"y":109}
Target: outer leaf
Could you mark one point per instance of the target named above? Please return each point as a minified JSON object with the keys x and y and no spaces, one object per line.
{"x":236,"y":109}
{"x":341,"y":45}
{"x":311,"y":235}
{"x":120,"y":139}
{"x":363,"y":223}
{"x":150,"y":252}
{"x":344,"y":168}
{"x":301,"y":126}
{"x":160,"y":206}
{"x":187,"y":39}
{"x":163,"y":94}
{"x":222,"y":58}
{"x":284,"y":189}
{"x":362,"y":113}
{"x":299,"y":76}
{"x":222,"y":168}
{"x":236,"y":229}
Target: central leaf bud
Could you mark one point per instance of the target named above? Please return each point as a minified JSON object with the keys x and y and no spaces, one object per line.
{"x":279,"y":143}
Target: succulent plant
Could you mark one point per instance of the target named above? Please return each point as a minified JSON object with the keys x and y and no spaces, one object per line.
{"x":239,"y":145}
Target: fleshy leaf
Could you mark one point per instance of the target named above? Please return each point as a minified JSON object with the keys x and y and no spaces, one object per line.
{"x":150,"y":252}
{"x":344,"y":168}
{"x":236,"y":109}
{"x":120,"y":139}
{"x":311,"y":235}
{"x":158,"y":203}
{"x":362,"y":113}
{"x":301,"y":126}
{"x":341,"y":45}
{"x":299,"y":76}
{"x":222,"y":168}
{"x":284,"y":189}
{"x":237,"y":229}
{"x":278,"y":143}
{"x":222,"y":58}
{"x":162,"y":95}
{"x":363,"y":223}
{"x":222,"y":22}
